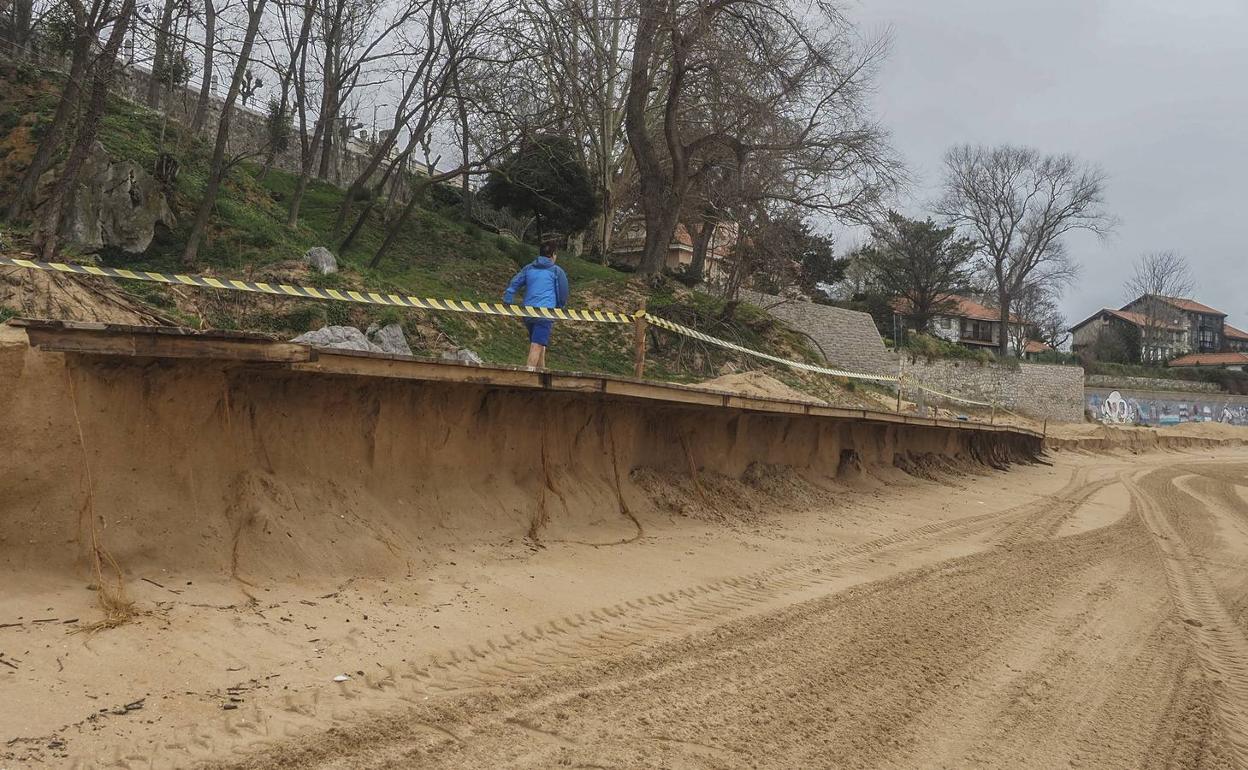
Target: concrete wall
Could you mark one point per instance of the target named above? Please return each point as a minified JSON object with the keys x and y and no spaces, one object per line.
{"x":848,"y":339}
{"x":1042,"y":391}
{"x":1153,"y":407}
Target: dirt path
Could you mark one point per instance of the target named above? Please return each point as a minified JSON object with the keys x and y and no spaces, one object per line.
{"x":1089,"y":614}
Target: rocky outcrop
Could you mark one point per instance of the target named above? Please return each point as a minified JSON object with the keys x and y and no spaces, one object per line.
{"x":463,"y":356}
{"x":390,"y":339}
{"x":322,"y":260}
{"x":117,"y":203}
{"x":378,"y":339}
{"x":338,"y":337}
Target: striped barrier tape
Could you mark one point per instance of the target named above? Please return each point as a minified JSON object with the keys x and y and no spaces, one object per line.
{"x":453,"y":305}
{"x":663,"y":323}
{"x":341,"y":295}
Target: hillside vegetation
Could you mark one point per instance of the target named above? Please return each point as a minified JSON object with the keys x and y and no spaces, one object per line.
{"x":438,"y":255}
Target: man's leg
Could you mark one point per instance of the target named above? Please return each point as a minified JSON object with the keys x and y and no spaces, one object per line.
{"x":536,"y":355}
{"x":542,"y":364}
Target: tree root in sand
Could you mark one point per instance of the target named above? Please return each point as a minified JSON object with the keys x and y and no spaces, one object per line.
{"x":117,"y":608}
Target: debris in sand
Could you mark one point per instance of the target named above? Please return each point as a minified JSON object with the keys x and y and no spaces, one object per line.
{"x":342,"y":678}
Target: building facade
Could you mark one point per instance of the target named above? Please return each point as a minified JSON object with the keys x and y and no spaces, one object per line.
{"x":1168,"y":327}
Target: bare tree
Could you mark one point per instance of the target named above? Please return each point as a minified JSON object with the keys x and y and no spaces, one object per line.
{"x":583,"y":48}
{"x":449,"y":32}
{"x":83,"y":24}
{"x":352,"y":37}
{"x":1158,"y":277}
{"x":1036,"y":311}
{"x":218,"y":165}
{"x":1018,"y":204}
{"x":755,"y":78}
{"x":206,"y":76}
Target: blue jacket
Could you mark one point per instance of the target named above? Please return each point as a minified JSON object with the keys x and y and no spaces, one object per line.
{"x":543,"y":282}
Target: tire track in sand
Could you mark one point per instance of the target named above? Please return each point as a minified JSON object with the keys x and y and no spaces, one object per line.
{"x":1219,"y":644}
{"x":571,"y":639}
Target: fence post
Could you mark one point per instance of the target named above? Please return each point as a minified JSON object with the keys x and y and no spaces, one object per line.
{"x":639,"y":342}
{"x":901,"y":370}
{"x":992,"y":418}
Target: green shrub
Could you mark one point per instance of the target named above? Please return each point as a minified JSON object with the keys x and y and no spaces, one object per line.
{"x":932,"y":348}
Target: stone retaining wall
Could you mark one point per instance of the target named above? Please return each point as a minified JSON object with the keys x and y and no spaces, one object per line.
{"x":1041,"y":391}
{"x":848,"y":339}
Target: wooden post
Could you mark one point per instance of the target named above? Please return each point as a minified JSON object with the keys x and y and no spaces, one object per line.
{"x":992,"y":418}
{"x":1045,"y":429}
{"x":901,"y":368}
{"x":639,"y":342}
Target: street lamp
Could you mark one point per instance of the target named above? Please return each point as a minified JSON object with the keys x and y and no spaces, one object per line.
{"x":375,"y":108}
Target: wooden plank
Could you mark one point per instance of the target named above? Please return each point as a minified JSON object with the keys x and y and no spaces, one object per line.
{"x":179,"y":331}
{"x":173,"y":342}
{"x":113,"y":343}
{"x":775,"y":406}
{"x":334,"y":362}
{"x":675,"y":395}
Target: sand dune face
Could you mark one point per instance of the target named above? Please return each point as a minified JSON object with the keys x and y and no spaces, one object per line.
{"x":544,"y":580}
{"x":266,"y":473}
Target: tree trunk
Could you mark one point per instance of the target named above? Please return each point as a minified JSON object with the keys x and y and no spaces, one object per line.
{"x":399,"y":162}
{"x":161,"y":65}
{"x":217,"y":169}
{"x":88,"y":128}
{"x":1003,"y":345}
{"x":701,"y":242}
{"x":418,"y":192}
{"x":305,"y":175}
{"x":210,"y":49}
{"x":24,"y":197}
{"x":464,"y":145}
{"x":305,"y":30}
{"x":20,"y":15}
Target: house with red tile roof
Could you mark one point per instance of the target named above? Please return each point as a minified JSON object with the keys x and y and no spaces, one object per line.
{"x":1236,"y":340}
{"x":1230,"y":360}
{"x":1169,"y":327}
{"x":1204,"y":323}
{"x":974,"y":324}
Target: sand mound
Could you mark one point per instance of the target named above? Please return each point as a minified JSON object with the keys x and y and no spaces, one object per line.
{"x":757,"y":383}
{"x":1097,"y":437}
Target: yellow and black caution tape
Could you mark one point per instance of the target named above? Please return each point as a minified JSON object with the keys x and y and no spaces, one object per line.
{"x":453,"y":305}
{"x":663,"y":323}
{"x":340,"y":295}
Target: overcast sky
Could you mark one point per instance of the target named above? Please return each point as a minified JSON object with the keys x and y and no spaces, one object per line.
{"x":1152,"y":91}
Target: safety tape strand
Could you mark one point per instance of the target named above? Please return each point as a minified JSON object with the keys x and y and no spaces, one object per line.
{"x":339,"y":295}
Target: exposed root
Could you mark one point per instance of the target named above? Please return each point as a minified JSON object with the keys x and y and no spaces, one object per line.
{"x":117,"y":608}
{"x":693,"y":469}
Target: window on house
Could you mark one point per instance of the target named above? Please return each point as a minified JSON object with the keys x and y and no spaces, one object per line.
{"x":946,"y":322}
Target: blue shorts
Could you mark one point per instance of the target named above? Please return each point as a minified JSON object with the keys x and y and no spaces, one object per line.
{"x":539,"y":330}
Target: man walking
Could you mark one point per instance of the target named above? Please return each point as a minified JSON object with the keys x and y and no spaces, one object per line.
{"x":544,"y":284}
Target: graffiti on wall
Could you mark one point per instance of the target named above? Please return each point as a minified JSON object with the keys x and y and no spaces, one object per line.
{"x":1165,"y":409}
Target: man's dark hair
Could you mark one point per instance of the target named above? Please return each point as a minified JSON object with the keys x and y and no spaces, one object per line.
{"x":549,"y":248}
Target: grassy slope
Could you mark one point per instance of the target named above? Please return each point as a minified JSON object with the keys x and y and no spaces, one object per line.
{"x":437,"y":256}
